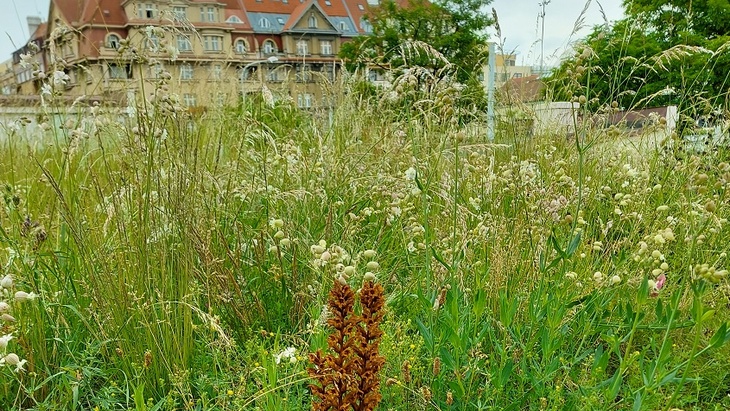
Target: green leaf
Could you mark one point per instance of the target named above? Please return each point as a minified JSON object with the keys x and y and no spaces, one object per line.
{"x":615,"y":385}
{"x":139,"y":403}
{"x":638,"y":399}
{"x":426,"y":334}
{"x":574,"y":243}
{"x":505,"y":373}
{"x":719,"y":338}
{"x":554,"y":241}
{"x":440,"y":259}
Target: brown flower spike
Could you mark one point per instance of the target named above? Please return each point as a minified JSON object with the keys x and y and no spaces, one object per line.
{"x":348,"y":377}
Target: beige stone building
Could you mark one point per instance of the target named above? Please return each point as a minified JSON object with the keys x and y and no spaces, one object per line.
{"x":211,"y":51}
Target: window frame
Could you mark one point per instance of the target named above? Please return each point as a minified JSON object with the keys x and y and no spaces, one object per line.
{"x":187,"y":72}
{"x":238,"y":49}
{"x":269,"y":47}
{"x":111,"y":39}
{"x":325,"y":44}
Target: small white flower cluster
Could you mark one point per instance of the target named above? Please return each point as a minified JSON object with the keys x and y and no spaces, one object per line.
{"x":288,"y":354}
{"x":411,"y":174}
{"x":279,"y":236}
{"x":333,"y":255}
{"x":6,"y":286}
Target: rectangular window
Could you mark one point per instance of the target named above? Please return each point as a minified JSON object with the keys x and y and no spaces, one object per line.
{"x":184,"y":44}
{"x":304,"y":73}
{"x":180,"y":13}
{"x":302,"y":48}
{"x":189,"y":100}
{"x":325,"y":47}
{"x":147,"y":11}
{"x":329,"y":72}
{"x":153,"y":43}
{"x":273,"y":74}
{"x":248,"y":74}
{"x":212,"y":43}
{"x":186,"y":72}
{"x":216,"y":71}
{"x":156,"y":70}
{"x":120,"y":71}
{"x":304,"y":100}
{"x":208,"y":14}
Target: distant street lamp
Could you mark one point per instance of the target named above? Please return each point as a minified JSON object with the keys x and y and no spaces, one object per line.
{"x":270,"y":60}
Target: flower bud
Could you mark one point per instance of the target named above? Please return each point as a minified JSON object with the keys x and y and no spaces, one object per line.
{"x":6,"y":282}
{"x":22,"y":296}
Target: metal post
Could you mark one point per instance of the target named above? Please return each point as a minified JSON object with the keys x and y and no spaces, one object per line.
{"x":490,"y":90}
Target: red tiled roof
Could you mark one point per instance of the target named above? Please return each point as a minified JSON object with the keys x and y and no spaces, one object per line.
{"x":525,"y":89}
{"x":297,"y":14}
{"x":109,"y":12}
{"x":353,"y":6}
{"x":40,"y":32}
{"x":336,"y":7}
{"x":69,"y":9}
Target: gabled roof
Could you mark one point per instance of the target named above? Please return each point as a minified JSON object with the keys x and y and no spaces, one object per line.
{"x":299,"y":13}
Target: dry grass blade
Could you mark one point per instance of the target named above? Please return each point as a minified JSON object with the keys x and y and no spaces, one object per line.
{"x":580,"y":21}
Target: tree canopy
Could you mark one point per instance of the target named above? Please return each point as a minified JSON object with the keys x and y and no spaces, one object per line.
{"x":419,"y":32}
{"x":663,"y":52}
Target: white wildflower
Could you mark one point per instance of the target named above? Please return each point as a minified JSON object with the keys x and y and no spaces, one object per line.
{"x":411,"y":174}
{"x":4,"y":340}
{"x":22,"y":296}
{"x":60,"y":78}
{"x":6,"y":282}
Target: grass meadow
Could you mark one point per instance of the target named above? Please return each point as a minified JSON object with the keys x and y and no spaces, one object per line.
{"x":163,"y":260}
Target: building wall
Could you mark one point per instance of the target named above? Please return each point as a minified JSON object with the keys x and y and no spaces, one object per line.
{"x":123,"y":59}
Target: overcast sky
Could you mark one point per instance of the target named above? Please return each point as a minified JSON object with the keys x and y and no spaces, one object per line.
{"x":521,"y":28}
{"x":13,"y":24}
{"x":518,"y":20}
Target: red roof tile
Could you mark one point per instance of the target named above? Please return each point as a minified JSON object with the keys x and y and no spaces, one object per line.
{"x":108,"y":12}
{"x":336,"y":7}
{"x":524,"y":89}
{"x":40,"y":32}
{"x":297,"y":14}
{"x":69,"y":9}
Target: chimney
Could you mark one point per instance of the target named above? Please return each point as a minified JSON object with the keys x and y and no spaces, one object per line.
{"x":33,"y":23}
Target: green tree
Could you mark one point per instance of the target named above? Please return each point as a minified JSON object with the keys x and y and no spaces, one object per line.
{"x":659,"y":54}
{"x":419,"y":33}
{"x":675,"y":19}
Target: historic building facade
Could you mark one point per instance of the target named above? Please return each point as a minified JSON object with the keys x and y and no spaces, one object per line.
{"x":210,"y":51}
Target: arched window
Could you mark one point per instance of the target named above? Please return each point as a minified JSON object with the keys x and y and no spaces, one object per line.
{"x":269,"y":47}
{"x":264,"y":23}
{"x":241,"y":47}
{"x":312,"y":21}
{"x":234,"y":20}
{"x":113,"y":41}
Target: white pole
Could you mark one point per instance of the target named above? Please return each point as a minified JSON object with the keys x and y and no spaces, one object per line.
{"x":490,"y":90}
